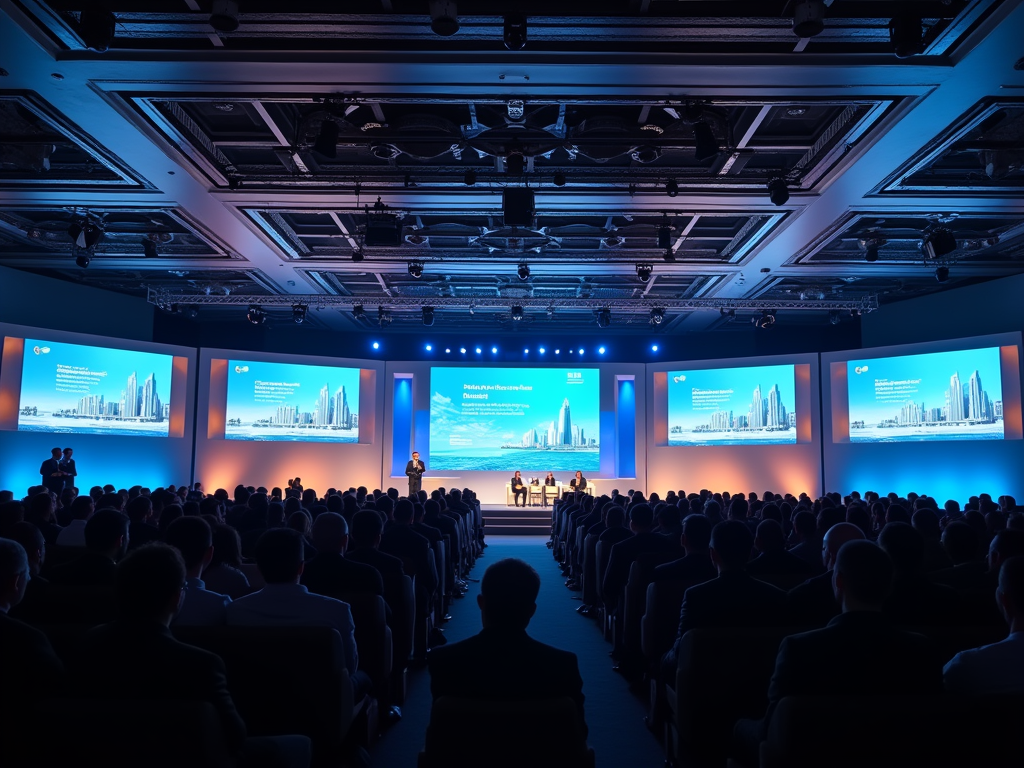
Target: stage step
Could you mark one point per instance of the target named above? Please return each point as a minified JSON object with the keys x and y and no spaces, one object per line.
{"x":517,"y":521}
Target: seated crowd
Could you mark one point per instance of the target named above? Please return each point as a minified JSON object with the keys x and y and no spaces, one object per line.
{"x":98,"y":590}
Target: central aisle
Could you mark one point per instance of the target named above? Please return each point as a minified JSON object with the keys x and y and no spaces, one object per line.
{"x":614,"y":714}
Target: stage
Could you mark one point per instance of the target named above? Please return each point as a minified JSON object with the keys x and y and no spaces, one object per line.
{"x":502,"y":520}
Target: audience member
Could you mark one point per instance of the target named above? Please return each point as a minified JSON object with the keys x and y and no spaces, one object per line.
{"x":330,"y":573}
{"x":813,"y":603}
{"x":914,"y":600}
{"x":616,"y":573}
{"x":808,"y":543}
{"x":224,"y":575}
{"x":364,"y":548}
{"x":774,"y":561}
{"x":695,"y":567}
{"x":193,"y":539}
{"x":106,"y":541}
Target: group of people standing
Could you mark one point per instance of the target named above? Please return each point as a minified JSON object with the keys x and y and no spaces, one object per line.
{"x":59,"y":472}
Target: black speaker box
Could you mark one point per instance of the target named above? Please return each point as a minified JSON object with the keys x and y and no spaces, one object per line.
{"x":517,"y":205}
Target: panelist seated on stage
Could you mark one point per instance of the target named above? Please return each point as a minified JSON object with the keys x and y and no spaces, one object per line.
{"x":579,"y":482}
{"x":518,"y":489}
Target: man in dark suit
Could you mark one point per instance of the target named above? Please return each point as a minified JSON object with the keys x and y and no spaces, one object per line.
{"x":774,"y":560}
{"x":330,"y":573}
{"x":415,"y":469}
{"x":518,"y":489}
{"x":106,"y":541}
{"x":616,"y":573}
{"x":67,"y":466}
{"x":502,"y":662}
{"x":364,"y":548}
{"x":403,"y":542}
{"x":838,"y":659}
{"x":52,"y":474}
{"x":813,"y":603}
{"x":914,"y":600}
{"x":695,"y":567}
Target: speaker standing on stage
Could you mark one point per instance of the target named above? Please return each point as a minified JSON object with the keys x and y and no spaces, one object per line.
{"x":415,"y":469}
{"x":518,"y":489}
{"x":52,"y":474}
{"x":67,"y":466}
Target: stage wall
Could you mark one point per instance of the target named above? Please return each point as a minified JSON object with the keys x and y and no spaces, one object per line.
{"x":222,"y":463}
{"x":122,"y":460}
{"x":788,"y":468}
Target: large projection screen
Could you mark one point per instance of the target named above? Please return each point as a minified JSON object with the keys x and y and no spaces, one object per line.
{"x":940,"y":418}
{"x":742,"y":424}
{"x":124,"y":407}
{"x":266,"y":418}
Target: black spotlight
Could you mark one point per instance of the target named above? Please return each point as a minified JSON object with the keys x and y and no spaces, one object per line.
{"x":469,"y":178}
{"x":665,"y":236}
{"x":833,"y":316}
{"x":191,"y":312}
{"x":82,"y":261}
{"x":358,"y":313}
{"x":515,"y":164}
{"x":809,"y":18}
{"x":939,"y":242}
{"x":523,"y":271}
{"x":428,"y":316}
{"x":256,"y":315}
{"x":326,"y":143}
{"x":670,"y":255}
{"x":416,"y":269}
{"x":444,"y":17}
{"x":299,"y":312}
{"x":559,"y":179}
{"x":906,"y":35}
{"x":671,"y":188}
{"x":942,"y":274}
{"x":707,"y":145}
{"x":778,"y":191}
{"x":643,"y":271}
{"x":657,"y":316}
{"x":766,"y":320}
{"x":871,"y":253}
{"x":85,"y":233}
{"x":604,"y":318}
{"x":357,"y":254}
{"x":149,"y":248}
{"x":383,"y":317}
{"x":517,"y":313}
{"x":224,"y":15}
{"x":97,"y":29}
{"x":514,"y":32}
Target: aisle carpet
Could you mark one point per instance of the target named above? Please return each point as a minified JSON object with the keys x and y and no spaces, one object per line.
{"x":614,"y":714}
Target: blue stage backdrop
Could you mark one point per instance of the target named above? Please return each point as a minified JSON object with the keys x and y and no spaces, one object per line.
{"x":504,"y":419}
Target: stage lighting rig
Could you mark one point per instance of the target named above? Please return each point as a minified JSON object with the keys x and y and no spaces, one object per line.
{"x":82,"y":261}
{"x":444,"y":17}
{"x":224,"y":15}
{"x":523,"y":271}
{"x":657,"y":316}
{"x":671,"y":188}
{"x":299,"y":312}
{"x":517,"y":313}
{"x":149,"y":250}
{"x":906,"y":36}
{"x":469,"y":177}
{"x":326,"y":143}
{"x":604,"y":318}
{"x":808,"y":18}
{"x":256,"y":315}
{"x":778,"y":191}
{"x":766,"y":320}
{"x":514,"y":32}
{"x":416,"y":269}
{"x":358,"y":313}
{"x":942,"y":274}
{"x":97,"y":29}
{"x":428,"y":316}
{"x":938,"y":242}
{"x":644,"y":271}
{"x":706,"y":144}
{"x":384,"y":317}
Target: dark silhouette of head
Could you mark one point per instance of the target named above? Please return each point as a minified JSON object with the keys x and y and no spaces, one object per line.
{"x":148,"y":583}
{"x":330,"y":533}
{"x":279,"y":554}
{"x":366,"y":528}
{"x":107,"y":532}
{"x":508,"y":595}
{"x":731,"y":541}
{"x":904,"y":546}
{"x":862,"y":575}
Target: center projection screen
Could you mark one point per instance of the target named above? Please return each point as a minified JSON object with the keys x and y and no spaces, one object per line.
{"x":507,"y":419}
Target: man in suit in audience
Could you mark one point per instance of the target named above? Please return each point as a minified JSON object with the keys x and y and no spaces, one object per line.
{"x":502,"y":662}
{"x":997,"y":668}
{"x":200,"y":607}
{"x":733,"y":599}
{"x":696,"y":566}
{"x":364,"y":548}
{"x":774,"y":561}
{"x":141,"y":529}
{"x":403,"y":542}
{"x":106,"y":541}
{"x":838,"y":659}
{"x":330,"y":573}
{"x":808,"y":542}
{"x":813,"y":603}
{"x":914,"y":600}
{"x":616,"y":573}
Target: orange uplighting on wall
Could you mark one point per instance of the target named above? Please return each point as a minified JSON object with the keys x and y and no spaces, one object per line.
{"x":10,"y":381}
{"x":367,"y":405}
{"x":660,"y":405}
{"x":802,"y":384}
{"x":216,"y":415}
{"x":1009,"y":362}
{"x":179,"y":397}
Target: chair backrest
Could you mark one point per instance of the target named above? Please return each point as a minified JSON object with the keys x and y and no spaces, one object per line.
{"x":590,"y":596}
{"x":603,"y":552}
{"x":403,"y":628}
{"x":373,"y":637}
{"x":505,"y":734}
{"x":125,"y":733}
{"x":641,"y":573}
{"x":66,"y":604}
{"x":660,"y":621}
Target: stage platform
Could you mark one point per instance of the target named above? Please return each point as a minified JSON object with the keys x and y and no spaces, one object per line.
{"x":502,"y":520}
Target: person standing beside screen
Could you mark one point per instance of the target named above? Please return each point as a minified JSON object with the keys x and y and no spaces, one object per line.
{"x":415,"y":469}
{"x":518,"y":489}
{"x":52,"y":474}
{"x":67,"y":466}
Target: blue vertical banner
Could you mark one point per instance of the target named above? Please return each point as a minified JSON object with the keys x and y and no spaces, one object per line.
{"x":401,"y":425}
{"x":625,"y":427}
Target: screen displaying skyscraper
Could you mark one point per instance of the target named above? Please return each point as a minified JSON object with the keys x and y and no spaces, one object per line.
{"x":732,"y":406}
{"x":292,"y":402}
{"x":74,"y":388}
{"x":934,"y":396}
{"x":504,"y":419}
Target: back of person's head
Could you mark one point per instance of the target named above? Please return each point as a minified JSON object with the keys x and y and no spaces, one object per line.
{"x":641,"y":517}
{"x":960,"y":542}
{"x":1011,"y":587}
{"x":110,"y":501}
{"x":330,"y":532}
{"x":104,"y":529}
{"x":277,"y":512}
{"x":335,"y":503}
{"x":82,"y":507}
{"x":192,"y":537}
{"x":300,"y":521}
{"x":697,"y":530}
{"x":904,"y":546}
{"x":139,"y":508}
{"x":864,"y":572}
{"x":508,"y":594}
{"x":858,"y":515}
{"x":404,"y":511}
{"x":431,"y":507}
{"x":14,"y":574}
{"x":769,"y":537}
{"x":897,"y":514}
{"x":1004,"y":545}
{"x":385,"y":505}
{"x":731,"y":541}
{"x":668,"y":516}
{"x":279,"y":554}
{"x":148,"y":582}
{"x":771,"y":511}
{"x":11,"y":513}
{"x":926,"y":522}
{"x":614,"y":516}
{"x":366,"y":526}
{"x":804,"y":523}
{"x":227,"y":547}
{"x":30,"y":537}
{"x":738,"y":508}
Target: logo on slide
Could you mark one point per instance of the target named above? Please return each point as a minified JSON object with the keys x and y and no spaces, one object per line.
{"x":860,"y":369}
{"x":241,"y":369}
{"x":678,"y":379}
{"x":41,"y":350}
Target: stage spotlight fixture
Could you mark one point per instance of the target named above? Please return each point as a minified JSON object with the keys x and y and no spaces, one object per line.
{"x":326,"y":143}
{"x":384,"y":317}
{"x":299,"y":312}
{"x":671,"y":188}
{"x":462,"y":350}
{"x":149,"y":248}
{"x":515,"y":163}
{"x":416,"y":269}
{"x":580,"y":351}
{"x":376,"y":345}
{"x":643,"y":271}
{"x":654,"y":347}
{"x":85,"y":233}
{"x":256,"y":315}
{"x":670,"y":255}
{"x":82,"y":261}
{"x":517,"y":206}
{"x":514,"y":32}
{"x":517,"y":313}
{"x":906,"y":36}
{"x":558,"y":351}
{"x":665,"y":236}
{"x":358,"y":313}
{"x":97,"y":29}
{"x":542,"y":350}
{"x":766,"y":320}
{"x":428,"y":316}
{"x":707,"y":145}
{"x":494,"y":350}
{"x":778,"y":191}
{"x":224,"y":15}
{"x":191,"y":312}
{"x":942,"y":274}
{"x":469,"y":178}
{"x":809,"y":18}
{"x":479,"y":351}
{"x":447,"y":350}
{"x":657,"y":316}
{"x":938,"y":242}
{"x":604,"y":318}
{"x":833,"y":316}
{"x":645,"y":154}
{"x":357,"y":254}
{"x":871,"y":253}
{"x":523,"y":271}
{"x":444,"y":17}
{"x":559,"y":179}
{"x":600,"y":350}
{"x":430,"y":348}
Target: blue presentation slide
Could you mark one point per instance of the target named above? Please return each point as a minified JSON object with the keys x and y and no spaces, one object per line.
{"x":292,"y":402}
{"x":732,"y":406}
{"x":77,"y":389}
{"x":502,"y":419}
{"x":933,"y":396}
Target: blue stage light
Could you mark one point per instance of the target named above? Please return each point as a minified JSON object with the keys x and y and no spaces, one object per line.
{"x":526,"y":351}
{"x":654,"y":348}
{"x":600,"y":350}
{"x":558,"y":351}
{"x":542,"y":350}
{"x":376,"y":345}
{"x":494,"y":350}
{"x":429,"y":348}
{"x":581,"y":351}
{"x":571,"y":351}
{"x":478,"y":350}
{"x":447,"y":350}
{"x":462,"y":350}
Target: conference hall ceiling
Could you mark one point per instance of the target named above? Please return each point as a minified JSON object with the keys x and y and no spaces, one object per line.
{"x":693,"y":162}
